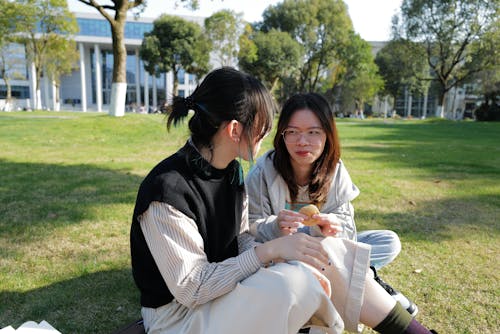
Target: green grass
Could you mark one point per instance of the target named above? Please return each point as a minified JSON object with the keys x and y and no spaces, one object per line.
{"x":68,"y":183}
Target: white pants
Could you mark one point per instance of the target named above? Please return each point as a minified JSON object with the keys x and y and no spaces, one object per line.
{"x":278,"y":300}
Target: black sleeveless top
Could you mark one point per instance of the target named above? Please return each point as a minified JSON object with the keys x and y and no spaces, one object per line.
{"x":212,"y":197}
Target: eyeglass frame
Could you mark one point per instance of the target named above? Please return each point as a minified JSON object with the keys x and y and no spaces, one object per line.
{"x":320,"y":131}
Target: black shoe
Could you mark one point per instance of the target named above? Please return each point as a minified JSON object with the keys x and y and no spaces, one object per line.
{"x":402,"y":299}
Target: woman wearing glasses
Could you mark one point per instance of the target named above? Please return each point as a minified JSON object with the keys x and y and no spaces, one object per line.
{"x":305,"y":168}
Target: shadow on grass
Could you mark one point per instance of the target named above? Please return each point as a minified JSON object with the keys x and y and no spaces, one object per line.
{"x":96,"y":303}
{"x":442,"y":148}
{"x":439,"y":220}
{"x":36,"y":197}
{"x":433,"y":151}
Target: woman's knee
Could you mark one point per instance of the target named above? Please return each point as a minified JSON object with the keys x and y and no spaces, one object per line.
{"x":394,"y":242}
{"x":297,"y":284}
{"x":385,"y":246}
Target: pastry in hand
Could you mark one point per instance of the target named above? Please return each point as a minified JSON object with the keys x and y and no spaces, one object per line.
{"x":309,"y":211}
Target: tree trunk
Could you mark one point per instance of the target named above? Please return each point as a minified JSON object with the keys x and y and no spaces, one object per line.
{"x":385,"y":106}
{"x":440,"y":107}
{"x":38,"y":92}
{"x":175,"y":87}
{"x":453,"y":110}
{"x":393,"y":110}
{"x":274,"y":85}
{"x":362,"y":109}
{"x":55,"y":96}
{"x":406,"y":102}
{"x":8,"y":97}
{"x":119,"y":84}
{"x":38,"y":98}
{"x":424,"y":111}
{"x":410,"y":102}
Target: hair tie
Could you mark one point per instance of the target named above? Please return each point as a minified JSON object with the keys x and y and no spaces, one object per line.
{"x":189,"y":102}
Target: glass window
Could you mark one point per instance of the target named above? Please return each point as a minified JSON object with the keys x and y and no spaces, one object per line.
{"x":192,"y":79}
{"x":15,"y":63}
{"x":181,"y":76}
{"x":101,"y":28}
{"x":18,"y":92}
{"x":131,"y":68}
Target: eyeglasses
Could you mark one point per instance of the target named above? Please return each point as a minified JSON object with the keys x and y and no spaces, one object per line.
{"x":292,"y":136}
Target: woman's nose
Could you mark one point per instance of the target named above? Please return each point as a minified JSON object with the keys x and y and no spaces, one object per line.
{"x":303,"y":139}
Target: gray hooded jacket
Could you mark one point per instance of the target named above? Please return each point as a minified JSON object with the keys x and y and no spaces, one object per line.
{"x":267,"y":193}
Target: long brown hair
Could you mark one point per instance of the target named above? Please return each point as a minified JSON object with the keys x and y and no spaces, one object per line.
{"x":324,"y":167}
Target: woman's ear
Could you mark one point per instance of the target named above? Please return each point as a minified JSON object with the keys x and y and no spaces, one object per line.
{"x":235,"y":129}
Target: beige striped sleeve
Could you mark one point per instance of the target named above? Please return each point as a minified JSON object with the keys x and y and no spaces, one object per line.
{"x":245,"y":239}
{"x":177,"y":249}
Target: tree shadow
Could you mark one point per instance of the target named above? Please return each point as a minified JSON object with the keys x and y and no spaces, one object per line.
{"x":100,"y":302}
{"x":433,"y":152}
{"x":437,"y":220}
{"x":38,"y":197}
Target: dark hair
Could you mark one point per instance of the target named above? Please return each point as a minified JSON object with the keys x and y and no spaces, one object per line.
{"x":324,"y":166}
{"x":225,"y":94}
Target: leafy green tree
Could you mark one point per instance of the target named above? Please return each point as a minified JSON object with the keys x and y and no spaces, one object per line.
{"x":11,"y":64}
{"x":8,"y":23}
{"x":448,"y":29}
{"x":402,"y":65}
{"x":223,"y":29}
{"x":322,"y":28}
{"x":175,"y":43}
{"x":115,"y":12}
{"x":487,"y":51}
{"x":360,"y":81}
{"x":247,"y":53}
{"x":8,"y":13}
{"x":43,"y":25}
{"x":277,"y":56}
{"x":63,"y":59}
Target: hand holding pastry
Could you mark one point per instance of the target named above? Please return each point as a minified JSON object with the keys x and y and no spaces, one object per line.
{"x":326,"y":222}
{"x":288,"y":221}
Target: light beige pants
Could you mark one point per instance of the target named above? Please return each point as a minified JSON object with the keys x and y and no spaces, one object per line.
{"x":278,"y":300}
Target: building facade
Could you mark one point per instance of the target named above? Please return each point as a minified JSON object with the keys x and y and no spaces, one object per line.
{"x":89,"y":86}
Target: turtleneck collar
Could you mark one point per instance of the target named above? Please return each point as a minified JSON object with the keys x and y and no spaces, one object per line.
{"x":202,"y":168}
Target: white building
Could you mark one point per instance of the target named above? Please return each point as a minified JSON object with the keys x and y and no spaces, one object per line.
{"x":89,"y":87}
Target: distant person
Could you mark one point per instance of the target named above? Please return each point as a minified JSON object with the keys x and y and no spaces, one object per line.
{"x":164,"y":107}
{"x":197,"y":267}
{"x":305,"y":168}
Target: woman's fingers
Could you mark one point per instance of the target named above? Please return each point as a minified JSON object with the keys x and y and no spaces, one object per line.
{"x":330,"y":230}
{"x":310,"y":250}
{"x":329,"y":227}
{"x":289,"y":221}
{"x":288,"y":231}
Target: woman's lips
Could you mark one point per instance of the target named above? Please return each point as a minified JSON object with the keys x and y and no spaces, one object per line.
{"x":302,"y":153}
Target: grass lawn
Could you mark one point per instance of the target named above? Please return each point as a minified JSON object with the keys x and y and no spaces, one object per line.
{"x":68,"y":183}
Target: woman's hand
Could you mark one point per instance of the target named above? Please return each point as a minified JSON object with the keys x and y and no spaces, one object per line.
{"x":299,"y":246}
{"x":328,"y":224}
{"x":288,"y":221}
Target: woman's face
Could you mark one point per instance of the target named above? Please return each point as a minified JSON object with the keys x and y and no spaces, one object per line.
{"x":304,"y":138}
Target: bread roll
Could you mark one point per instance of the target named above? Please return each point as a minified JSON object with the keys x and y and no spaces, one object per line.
{"x":309,"y":211}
